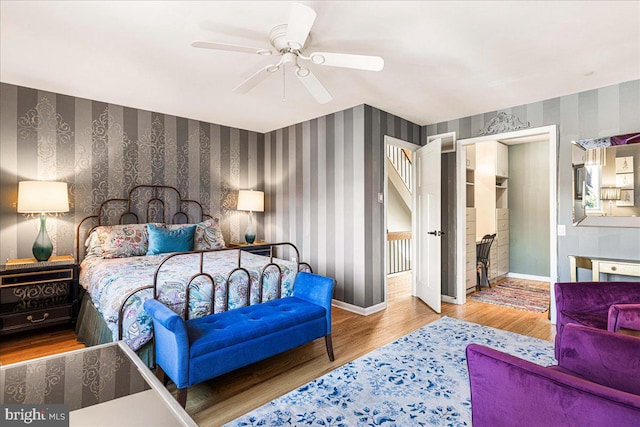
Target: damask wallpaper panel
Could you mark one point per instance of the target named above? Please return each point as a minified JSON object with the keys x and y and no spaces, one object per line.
{"x":102,"y":150}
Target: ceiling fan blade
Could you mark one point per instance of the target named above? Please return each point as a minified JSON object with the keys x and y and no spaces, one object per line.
{"x":300,"y":23}
{"x":314,"y":87}
{"x":230,"y":47}
{"x":255,"y":79}
{"x":360,"y":62}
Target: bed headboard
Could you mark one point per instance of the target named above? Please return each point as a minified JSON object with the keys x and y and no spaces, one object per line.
{"x":144,"y":204}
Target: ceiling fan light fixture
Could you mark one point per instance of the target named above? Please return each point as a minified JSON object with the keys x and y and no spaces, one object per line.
{"x":289,"y":41}
{"x":317,"y":59}
{"x":302,"y":72}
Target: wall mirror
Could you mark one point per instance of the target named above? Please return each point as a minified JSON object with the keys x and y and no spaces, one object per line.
{"x":606,"y":181}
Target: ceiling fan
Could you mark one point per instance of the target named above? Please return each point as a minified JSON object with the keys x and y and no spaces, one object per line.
{"x":289,"y":41}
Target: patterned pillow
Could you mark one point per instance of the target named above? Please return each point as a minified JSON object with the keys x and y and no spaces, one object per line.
{"x":121,"y":241}
{"x":93,"y":246}
{"x":208,"y":235}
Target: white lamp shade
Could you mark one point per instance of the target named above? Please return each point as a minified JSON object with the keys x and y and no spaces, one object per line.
{"x":42,"y":196}
{"x":249,"y":200}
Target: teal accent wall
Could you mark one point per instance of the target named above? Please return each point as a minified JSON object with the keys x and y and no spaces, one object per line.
{"x":529,"y":208}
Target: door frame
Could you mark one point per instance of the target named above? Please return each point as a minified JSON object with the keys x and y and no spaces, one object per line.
{"x":552,"y":135}
{"x":385,"y":197}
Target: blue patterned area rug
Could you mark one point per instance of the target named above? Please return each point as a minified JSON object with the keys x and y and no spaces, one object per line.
{"x":419,"y":380}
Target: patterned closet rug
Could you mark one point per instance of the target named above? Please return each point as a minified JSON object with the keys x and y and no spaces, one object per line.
{"x":525,"y":295}
{"x":420,"y":379}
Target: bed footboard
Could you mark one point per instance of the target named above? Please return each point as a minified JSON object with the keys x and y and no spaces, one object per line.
{"x":271,"y":265}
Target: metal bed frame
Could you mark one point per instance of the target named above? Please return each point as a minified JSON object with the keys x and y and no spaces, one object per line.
{"x":154,"y":209}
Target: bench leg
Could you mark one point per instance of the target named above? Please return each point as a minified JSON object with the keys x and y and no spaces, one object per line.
{"x":161,"y":375}
{"x":327,"y":340}
{"x":182,"y":396}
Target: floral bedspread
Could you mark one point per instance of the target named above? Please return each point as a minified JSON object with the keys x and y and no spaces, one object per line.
{"x":109,"y":281}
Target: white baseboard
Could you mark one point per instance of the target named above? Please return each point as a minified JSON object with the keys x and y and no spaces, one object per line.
{"x":363,"y":311}
{"x":449,"y":299}
{"x":529,"y":277}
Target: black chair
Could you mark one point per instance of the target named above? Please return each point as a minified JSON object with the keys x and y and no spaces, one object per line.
{"x":483,"y":247}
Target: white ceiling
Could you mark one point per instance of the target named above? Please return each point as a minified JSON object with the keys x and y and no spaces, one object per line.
{"x":443,"y":60}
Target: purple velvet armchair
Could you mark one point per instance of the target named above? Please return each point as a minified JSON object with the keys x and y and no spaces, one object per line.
{"x":596,"y":383}
{"x":603,"y":305}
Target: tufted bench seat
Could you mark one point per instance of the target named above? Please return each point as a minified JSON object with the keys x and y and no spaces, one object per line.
{"x":206,"y":347}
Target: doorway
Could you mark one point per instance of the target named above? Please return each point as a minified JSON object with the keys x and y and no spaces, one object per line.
{"x":399,"y":219}
{"x":498,"y":195}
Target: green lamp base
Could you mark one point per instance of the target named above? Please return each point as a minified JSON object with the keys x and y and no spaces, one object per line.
{"x":42,"y":247}
{"x":250,"y":233}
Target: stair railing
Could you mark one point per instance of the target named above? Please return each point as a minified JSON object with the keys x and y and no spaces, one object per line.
{"x":401,"y":162}
{"x":398,"y":252}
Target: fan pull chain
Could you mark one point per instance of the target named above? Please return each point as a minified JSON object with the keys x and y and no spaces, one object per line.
{"x":283,"y":83}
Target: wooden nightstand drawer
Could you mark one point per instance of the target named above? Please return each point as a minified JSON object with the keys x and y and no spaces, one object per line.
{"x":258,"y":248}
{"x":36,"y":291}
{"x":57,"y":275}
{"x":620,"y":268}
{"x":35,"y":318}
{"x":34,"y":294}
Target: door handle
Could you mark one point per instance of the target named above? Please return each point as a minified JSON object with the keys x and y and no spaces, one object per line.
{"x":436,"y":233}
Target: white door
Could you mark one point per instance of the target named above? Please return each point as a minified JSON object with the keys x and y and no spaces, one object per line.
{"x":428,"y":232}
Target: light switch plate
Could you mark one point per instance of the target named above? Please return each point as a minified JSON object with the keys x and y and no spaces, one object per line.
{"x":562,"y":230}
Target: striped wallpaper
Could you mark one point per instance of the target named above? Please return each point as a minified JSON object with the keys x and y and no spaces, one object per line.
{"x":103,"y":150}
{"x":606,"y":111}
{"x":322,"y":179}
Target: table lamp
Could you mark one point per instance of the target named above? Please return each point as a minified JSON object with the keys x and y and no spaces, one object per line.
{"x":610,"y":194}
{"x":42,"y":197}
{"x":252,"y":201}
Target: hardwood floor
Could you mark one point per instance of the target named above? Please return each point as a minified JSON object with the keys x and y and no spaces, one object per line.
{"x":29,"y":345}
{"x":221,"y":400}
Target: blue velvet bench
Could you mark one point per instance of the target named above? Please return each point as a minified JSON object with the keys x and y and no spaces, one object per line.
{"x":196,"y":350}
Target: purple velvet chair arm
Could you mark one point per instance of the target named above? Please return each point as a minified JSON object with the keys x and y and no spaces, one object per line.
{"x":595,"y":296}
{"x":623,"y":316}
{"x":508,"y":391}
{"x":590,"y":299}
{"x":607,"y":358}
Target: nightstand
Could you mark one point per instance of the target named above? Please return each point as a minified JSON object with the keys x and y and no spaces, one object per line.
{"x":37,"y":294}
{"x":258,"y":248}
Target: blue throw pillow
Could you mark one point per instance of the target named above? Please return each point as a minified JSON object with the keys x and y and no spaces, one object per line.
{"x":163,"y":240}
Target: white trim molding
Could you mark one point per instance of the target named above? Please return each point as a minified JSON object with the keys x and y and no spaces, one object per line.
{"x":449,"y":299}
{"x":529,"y":277}
{"x":545,"y":132}
{"x":363,"y":311}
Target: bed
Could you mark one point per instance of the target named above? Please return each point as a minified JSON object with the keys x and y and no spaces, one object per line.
{"x":117,"y":276}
